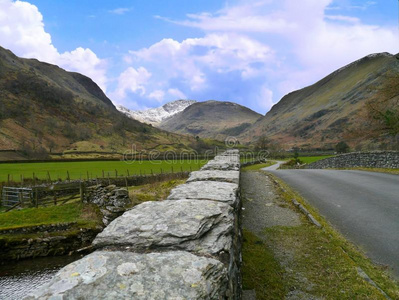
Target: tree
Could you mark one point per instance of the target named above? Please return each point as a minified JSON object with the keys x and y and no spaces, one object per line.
{"x":263,"y":143}
{"x":342,"y":147}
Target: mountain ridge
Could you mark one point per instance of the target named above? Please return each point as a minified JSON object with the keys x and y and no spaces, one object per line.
{"x":211,"y":119}
{"x":333,"y":109}
{"x":44,"y":108}
{"x":155,"y":116}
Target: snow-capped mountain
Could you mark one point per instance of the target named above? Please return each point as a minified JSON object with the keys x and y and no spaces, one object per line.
{"x":155,"y":116}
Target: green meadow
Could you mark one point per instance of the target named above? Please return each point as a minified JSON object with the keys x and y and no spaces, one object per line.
{"x":93,"y":169}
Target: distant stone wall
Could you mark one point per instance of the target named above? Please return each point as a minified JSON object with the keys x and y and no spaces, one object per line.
{"x":185,"y":247}
{"x":112,"y":201}
{"x":375,"y":159}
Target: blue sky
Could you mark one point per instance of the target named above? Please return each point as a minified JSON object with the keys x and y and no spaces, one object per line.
{"x":144,"y":54}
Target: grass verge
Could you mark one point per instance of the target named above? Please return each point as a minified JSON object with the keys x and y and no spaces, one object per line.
{"x":327,"y":259}
{"x":379,"y":170}
{"x":261,"y":271}
{"x":257,"y":167}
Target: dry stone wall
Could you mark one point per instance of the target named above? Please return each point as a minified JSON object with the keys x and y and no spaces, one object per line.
{"x":185,"y":247}
{"x":375,"y":159}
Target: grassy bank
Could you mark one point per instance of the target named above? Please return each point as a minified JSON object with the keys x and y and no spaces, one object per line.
{"x":78,"y":170}
{"x":378,"y":170}
{"x":311,"y":159}
{"x":258,"y":166}
{"x":83,"y":214}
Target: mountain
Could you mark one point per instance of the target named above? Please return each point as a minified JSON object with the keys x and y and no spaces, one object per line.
{"x":211,"y":119}
{"x":44,"y":108}
{"x":337,"y":108}
{"x":155,"y":116}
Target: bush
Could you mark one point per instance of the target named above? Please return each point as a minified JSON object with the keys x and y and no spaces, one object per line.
{"x":342,"y":147}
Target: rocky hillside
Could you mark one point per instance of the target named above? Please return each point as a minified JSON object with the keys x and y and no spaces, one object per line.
{"x":46,"y":109}
{"x":337,"y":108}
{"x":155,"y":116}
{"x":211,"y":119}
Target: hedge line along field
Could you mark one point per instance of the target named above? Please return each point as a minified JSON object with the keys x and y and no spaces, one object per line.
{"x":93,"y":169}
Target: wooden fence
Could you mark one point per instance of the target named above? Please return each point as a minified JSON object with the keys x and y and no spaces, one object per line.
{"x":59,"y":193}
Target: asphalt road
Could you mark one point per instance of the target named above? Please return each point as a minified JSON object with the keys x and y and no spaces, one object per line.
{"x":363,"y":206}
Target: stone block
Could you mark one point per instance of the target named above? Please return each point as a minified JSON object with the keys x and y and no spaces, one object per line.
{"x":215,"y":175}
{"x":207,"y":190}
{"x":205,"y":227}
{"x":127,"y":275}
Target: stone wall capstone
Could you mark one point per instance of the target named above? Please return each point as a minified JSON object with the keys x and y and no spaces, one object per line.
{"x":185,"y":247}
{"x":375,"y":159}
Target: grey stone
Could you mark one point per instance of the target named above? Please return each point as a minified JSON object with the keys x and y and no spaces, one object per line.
{"x":116,"y":209}
{"x":201,"y":226}
{"x":121,"y":192}
{"x":215,"y":175}
{"x":373,"y":159}
{"x":118,"y":201}
{"x":207,"y":190}
{"x":225,"y":163}
{"x":127,"y":275}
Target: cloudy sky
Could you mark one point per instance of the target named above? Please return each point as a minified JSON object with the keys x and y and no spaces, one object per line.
{"x":253,"y":52}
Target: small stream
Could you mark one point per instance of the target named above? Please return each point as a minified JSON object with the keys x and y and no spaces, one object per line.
{"x":17,"y":279}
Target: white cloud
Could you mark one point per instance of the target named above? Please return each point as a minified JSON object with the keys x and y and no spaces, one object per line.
{"x":191,"y":59}
{"x":305,"y":41}
{"x":120,"y":10}
{"x":176,"y":94}
{"x":343,"y":18}
{"x":131,"y":80}
{"x":22,"y":31}
{"x":265,"y":98}
{"x":157,"y":95}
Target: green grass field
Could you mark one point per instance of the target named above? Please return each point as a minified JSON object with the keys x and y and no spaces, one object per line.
{"x":77,"y":170}
{"x":310,"y":159}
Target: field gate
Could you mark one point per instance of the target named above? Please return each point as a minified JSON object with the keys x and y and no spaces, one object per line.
{"x":13,"y":197}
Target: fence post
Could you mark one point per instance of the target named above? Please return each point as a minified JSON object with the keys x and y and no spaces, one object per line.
{"x":20,"y":197}
{"x":81,"y":192}
{"x":103,"y":174}
{"x":116,"y":173}
{"x":68,"y":178}
{"x":172,"y":169}
{"x":55,"y":198}
{"x":87,"y":175}
{"x":48,"y":175}
{"x":36,"y":198}
{"x":128,"y":174}
{"x":126,"y":182}
{"x":8,"y":179}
